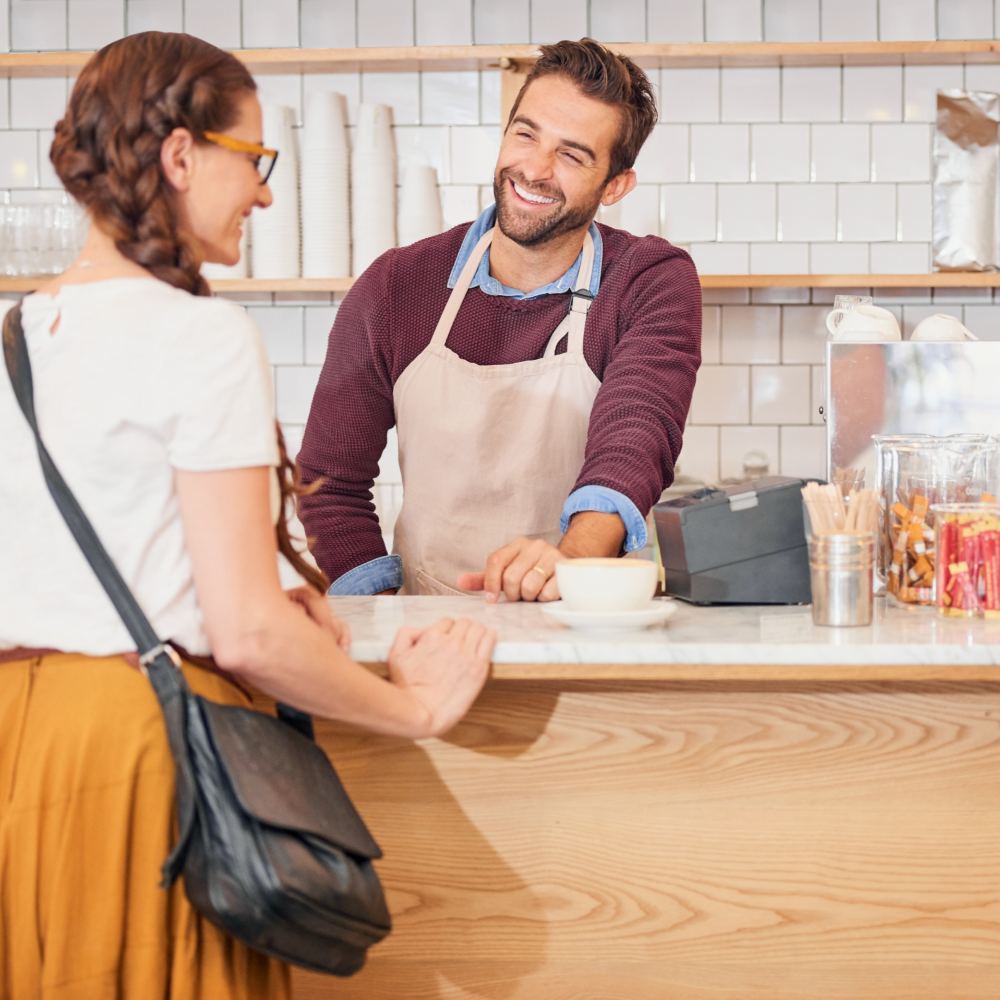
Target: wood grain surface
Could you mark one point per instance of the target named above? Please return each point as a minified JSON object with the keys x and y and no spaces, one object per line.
{"x":721,"y":675}
{"x":642,"y":841}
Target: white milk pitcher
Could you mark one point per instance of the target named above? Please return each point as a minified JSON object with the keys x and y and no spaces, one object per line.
{"x":863,"y":324}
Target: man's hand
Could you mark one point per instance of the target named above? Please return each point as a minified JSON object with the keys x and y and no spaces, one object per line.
{"x":523,"y":570}
{"x":512,"y":569}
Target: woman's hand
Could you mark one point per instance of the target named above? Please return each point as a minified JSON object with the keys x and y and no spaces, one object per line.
{"x":443,"y":668}
{"x":317,"y":607}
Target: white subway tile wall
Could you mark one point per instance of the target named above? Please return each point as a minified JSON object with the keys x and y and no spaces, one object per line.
{"x":762,"y":170}
{"x":91,"y":24}
{"x":848,"y":20}
{"x":154,"y":15}
{"x":791,"y":20}
{"x":675,"y":20}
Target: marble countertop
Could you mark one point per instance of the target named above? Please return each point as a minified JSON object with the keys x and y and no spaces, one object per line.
{"x":698,"y":643}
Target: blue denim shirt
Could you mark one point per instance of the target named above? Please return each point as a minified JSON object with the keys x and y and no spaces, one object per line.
{"x":386,"y":572}
{"x":488,"y":284}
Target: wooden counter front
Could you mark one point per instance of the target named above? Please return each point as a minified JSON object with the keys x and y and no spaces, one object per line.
{"x":686,"y":840}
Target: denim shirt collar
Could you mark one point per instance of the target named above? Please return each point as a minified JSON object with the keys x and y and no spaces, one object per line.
{"x":491,"y":286}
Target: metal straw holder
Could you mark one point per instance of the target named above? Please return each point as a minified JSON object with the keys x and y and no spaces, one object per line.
{"x":840,"y":568}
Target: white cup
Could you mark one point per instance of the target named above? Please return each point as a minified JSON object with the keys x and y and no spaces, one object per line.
{"x":942,"y":327}
{"x":602,"y":585}
{"x":863,"y":323}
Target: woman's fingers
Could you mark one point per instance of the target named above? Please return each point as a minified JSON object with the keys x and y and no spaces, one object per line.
{"x":458,"y":632}
{"x":442,"y":667}
{"x":344,"y":641}
{"x":472,"y":636}
{"x":405,"y":638}
{"x":484,"y":646}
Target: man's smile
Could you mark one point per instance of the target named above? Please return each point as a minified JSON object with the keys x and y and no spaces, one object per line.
{"x":532,"y":199}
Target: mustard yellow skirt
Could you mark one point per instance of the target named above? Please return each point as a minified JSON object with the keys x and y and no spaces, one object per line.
{"x":86,"y":820}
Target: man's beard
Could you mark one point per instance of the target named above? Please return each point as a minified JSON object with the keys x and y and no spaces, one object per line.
{"x":534,"y":231}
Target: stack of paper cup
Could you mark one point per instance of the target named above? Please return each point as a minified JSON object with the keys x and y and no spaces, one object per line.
{"x":276,"y":231}
{"x":241,"y":269}
{"x":373,"y":187}
{"x":419,"y":205}
{"x":326,"y":219}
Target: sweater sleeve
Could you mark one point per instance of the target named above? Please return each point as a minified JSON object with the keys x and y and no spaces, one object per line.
{"x":351,"y":414}
{"x":637,"y":423}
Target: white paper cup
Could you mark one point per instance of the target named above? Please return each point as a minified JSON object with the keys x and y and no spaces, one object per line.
{"x":606,"y":584}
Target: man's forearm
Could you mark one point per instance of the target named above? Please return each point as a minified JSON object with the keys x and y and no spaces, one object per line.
{"x":592,"y":533}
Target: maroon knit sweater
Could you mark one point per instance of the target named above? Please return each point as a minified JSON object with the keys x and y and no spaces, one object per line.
{"x":643,"y":341}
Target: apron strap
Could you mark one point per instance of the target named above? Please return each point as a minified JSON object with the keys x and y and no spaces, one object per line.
{"x":574,"y":323}
{"x":457,"y":296}
{"x":579,"y":305}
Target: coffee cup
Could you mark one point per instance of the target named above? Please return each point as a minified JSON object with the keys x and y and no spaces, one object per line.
{"x":942,"y":327}
{"x":602,"y":585}
{"x":863,"y":324}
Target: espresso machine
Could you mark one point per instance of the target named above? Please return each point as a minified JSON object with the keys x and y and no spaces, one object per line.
{"x":906,"y":388}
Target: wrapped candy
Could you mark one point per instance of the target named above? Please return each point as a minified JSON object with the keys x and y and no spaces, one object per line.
{"x":968,"y":560}
{"x":911,"y":575}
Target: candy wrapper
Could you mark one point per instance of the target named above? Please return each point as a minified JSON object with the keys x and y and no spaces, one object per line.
{"x":911,"y":574}
{"x":968,"y":560}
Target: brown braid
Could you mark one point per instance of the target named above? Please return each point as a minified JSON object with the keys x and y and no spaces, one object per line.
{"x":128,"y":98}
{"x":290,"y":480}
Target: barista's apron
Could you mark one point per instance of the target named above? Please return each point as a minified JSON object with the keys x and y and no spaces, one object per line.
{"x":488,"y":453}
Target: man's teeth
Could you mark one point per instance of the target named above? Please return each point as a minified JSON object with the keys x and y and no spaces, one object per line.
{"x":537,"y":199}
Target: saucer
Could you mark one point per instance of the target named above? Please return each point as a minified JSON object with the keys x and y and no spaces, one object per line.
{"x":611,"y":621}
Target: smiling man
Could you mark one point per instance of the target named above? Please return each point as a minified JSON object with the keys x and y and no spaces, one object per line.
{"x":538,"y":366}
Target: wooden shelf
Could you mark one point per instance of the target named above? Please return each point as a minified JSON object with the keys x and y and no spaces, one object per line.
{"x":225,"y":285}
{"x":945,"y":279}
{"x":282,"y":284}
{"x":940,"y":279}
{"x":470,"y":57}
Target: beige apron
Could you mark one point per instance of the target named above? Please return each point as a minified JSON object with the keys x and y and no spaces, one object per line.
{"x":488,"y":453}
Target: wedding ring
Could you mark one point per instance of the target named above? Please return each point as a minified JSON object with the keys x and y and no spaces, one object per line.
{"x":538,"y":569}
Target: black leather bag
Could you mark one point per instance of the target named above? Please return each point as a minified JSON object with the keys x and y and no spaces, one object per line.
{"x":271,"y":847}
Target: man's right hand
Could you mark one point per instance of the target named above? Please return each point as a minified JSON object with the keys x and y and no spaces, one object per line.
{"x":443,"y":668}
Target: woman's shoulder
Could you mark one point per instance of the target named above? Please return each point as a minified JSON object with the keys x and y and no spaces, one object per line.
{"x":143,"y":304}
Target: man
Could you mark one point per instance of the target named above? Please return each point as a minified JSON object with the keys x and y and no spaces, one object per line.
{"x":538,"y":367}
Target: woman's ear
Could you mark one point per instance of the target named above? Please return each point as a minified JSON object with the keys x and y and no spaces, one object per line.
{"x":177,"y":153}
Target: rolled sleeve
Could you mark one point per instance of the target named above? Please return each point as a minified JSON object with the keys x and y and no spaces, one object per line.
{"x":607,"y":501}
{"x":384,"y":573}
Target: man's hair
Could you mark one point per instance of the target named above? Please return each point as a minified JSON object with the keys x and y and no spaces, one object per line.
{"x":607,"y":77}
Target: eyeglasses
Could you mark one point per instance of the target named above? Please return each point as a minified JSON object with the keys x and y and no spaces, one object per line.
{"x":265,"y":158}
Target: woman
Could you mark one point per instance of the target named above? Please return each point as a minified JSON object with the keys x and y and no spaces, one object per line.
{"x":155,"y":403}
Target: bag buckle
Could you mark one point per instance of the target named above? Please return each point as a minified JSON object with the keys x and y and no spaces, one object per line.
{"x":153,"y":653}
{"x":586,"y":300}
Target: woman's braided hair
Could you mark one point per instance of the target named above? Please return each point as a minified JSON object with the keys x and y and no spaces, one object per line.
{"x":128,"y":98}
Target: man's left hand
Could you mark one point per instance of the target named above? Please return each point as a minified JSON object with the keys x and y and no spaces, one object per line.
{"x":523,"y":570}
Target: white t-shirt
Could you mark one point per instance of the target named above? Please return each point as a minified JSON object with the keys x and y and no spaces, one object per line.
{"x":138,"y":380}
